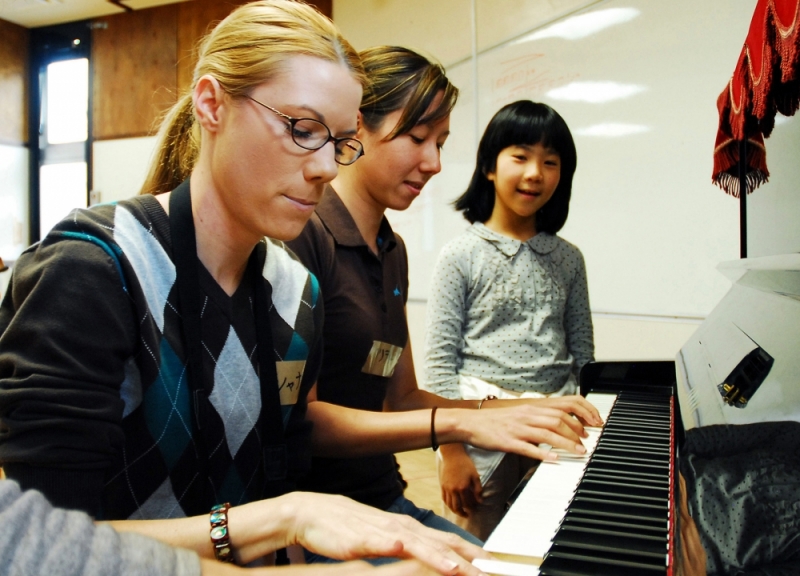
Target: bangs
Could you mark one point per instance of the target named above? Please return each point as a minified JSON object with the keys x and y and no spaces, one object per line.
{"x":421,"y":95}
{"x":546,"y":129}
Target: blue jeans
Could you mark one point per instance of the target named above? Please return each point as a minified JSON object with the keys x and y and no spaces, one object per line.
{"x":405,"y":506}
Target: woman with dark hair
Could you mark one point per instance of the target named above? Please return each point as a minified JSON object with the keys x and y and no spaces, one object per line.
{"x":362,"y":268}
{"x":509,"y":312}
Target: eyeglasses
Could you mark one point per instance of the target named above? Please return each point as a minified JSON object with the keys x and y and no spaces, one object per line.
{"x":312,"y":134}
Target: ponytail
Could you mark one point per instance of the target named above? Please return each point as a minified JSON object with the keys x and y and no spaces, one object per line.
{"x":177,"y":149}
{"x":247,"y":48}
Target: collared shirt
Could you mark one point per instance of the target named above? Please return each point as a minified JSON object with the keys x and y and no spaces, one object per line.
{"x":365,"y":330}
{"x":512,"y":313}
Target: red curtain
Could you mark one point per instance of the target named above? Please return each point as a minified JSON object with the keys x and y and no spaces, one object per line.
{"x":766,"y":81}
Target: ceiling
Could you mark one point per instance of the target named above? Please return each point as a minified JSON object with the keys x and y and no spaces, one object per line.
{"x":35,"y":13}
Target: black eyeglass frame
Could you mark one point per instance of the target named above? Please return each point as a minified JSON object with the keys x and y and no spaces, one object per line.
{"x":331,"y":138}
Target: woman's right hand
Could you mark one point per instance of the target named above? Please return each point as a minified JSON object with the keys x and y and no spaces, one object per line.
{"x":459,"y":479}
{"x":518,"y":429}
{"x":574,"y":404}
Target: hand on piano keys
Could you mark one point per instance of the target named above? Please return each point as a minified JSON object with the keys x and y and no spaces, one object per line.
{"x":520,"y":426}
{"x":608,"y":511}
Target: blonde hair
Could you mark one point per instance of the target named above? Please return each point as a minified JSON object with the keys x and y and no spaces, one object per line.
{"x":400,"y":78}
{"x":245,"y":49}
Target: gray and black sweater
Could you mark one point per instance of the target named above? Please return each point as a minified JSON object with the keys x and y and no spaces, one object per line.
{"x":95,"y":408}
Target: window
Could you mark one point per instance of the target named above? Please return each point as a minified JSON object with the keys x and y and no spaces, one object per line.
{"x":60,"y":165}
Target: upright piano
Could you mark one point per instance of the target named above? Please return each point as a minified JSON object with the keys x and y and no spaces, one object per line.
{"x":613,"y":511}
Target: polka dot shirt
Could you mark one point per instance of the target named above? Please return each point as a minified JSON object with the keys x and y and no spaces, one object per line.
{"x":512,"y":313}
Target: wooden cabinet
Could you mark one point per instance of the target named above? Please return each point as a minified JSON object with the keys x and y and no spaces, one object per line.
{"x":134,"y":78}
{"x":14,"y":42}
{"x":142,"y":60}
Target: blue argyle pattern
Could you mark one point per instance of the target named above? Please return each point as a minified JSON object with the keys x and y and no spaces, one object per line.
{"x":183,"y":454}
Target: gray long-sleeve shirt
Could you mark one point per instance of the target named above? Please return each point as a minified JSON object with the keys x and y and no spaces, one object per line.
{"x":39,"y":540}
{"x":512,"y":313}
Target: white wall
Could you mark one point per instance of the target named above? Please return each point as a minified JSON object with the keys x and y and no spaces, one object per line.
{"x":13,"y":205}
{"x":13,"y":200}
{"x":773,"y":210}
{"x":643,"y":307}
{"x":119,"y":167}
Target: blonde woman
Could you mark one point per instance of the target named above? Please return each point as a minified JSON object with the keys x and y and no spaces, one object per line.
{"x":155,"y":354}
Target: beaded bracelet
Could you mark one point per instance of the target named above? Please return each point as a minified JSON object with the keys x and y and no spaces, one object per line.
{"x":220,"y":538}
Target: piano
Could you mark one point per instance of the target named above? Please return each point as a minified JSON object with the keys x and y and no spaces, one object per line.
{"x":613,"y":510}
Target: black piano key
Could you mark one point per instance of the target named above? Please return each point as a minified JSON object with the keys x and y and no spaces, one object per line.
{"x":659,"y":526}
{"x":607,"y":508}
{"x":617,"y":442}
{"x":642,"y":548}
{"x":648,"y":421}
{"x":631,"y":457}
{"x":652,"y":447}
{"x":620,"y":498}
{"x":625,"y":489}
{"x":622,"y":433}
{"x":647,"y":426}
{"x":638,"y":480}
{"x":633,"y":432}
{"x":646,"y":455}
{"x":564,"y":563}
{"x":616,"y":462}
{"x":639,"y":408}
{"x":610,"y":466}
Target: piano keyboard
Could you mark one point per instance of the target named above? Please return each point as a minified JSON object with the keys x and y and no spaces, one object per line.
{"x":606,"y":512}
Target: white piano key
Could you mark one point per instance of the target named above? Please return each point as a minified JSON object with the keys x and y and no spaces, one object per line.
{"x":501,"y":568}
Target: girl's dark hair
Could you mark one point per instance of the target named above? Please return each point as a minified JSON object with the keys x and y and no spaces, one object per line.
{"x":400,"y":78}
{"x":522,"y":123}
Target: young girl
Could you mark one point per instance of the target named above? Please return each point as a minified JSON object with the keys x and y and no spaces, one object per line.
{"x":155,"y":354}
{"x":509,"y":311}
{"x":363,"y":272}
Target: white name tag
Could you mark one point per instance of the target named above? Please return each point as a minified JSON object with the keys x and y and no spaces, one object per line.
{"x":382,"y":359}
{"x":290,"y":376}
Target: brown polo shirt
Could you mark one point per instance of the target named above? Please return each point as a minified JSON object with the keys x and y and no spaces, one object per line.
{"x":364,"y":332}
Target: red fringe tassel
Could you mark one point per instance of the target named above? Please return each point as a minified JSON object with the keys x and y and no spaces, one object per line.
{"x":766,"y":81}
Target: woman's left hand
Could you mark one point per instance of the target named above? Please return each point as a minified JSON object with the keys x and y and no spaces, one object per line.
{"x":341,"y":528}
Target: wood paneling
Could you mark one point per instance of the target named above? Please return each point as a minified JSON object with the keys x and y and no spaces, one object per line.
{"x":198,"y":17}
{"x":143,"y":59}
{"x":324,"y":6}
{"x":134,"y":80}
{"x":14,"y":42}
{"x":195,"y":19}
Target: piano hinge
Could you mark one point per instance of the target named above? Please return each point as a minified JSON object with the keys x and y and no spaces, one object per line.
{"x":742,"y":383}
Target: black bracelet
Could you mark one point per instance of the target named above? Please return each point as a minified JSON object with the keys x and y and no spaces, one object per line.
{"x":434,"y":442}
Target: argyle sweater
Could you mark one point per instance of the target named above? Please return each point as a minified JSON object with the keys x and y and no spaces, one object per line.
{"x":95,"y":408}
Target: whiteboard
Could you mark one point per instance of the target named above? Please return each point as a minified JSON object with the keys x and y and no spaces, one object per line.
{"x":644,"y":213}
